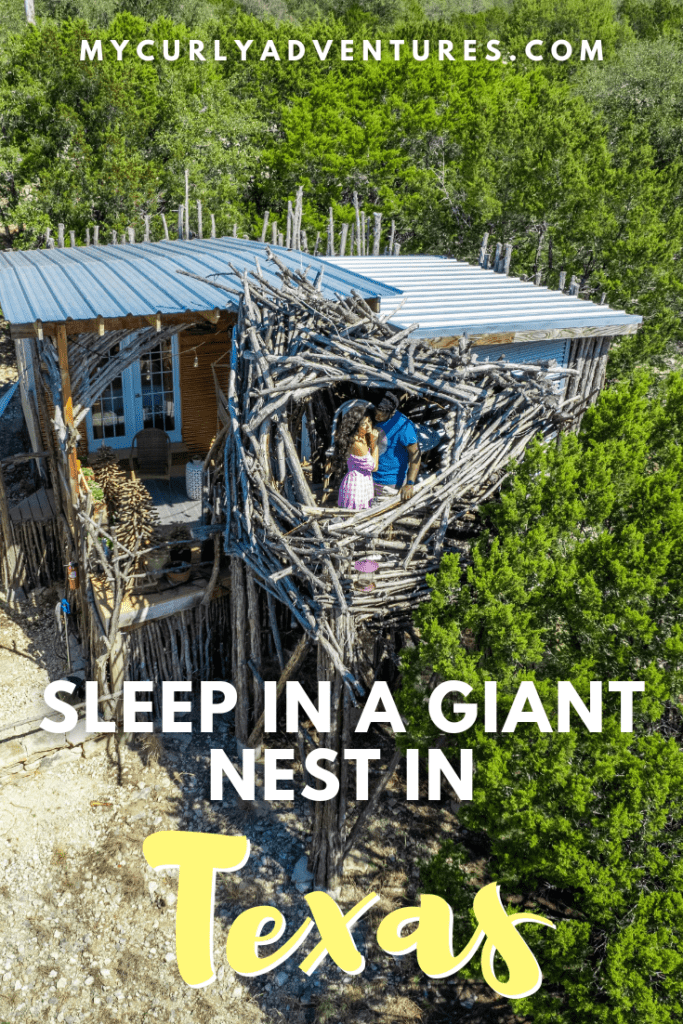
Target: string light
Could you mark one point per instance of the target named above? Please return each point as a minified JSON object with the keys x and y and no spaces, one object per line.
{"x":194,"y":349}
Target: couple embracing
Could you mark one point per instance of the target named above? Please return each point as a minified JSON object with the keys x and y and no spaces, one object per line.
{"x":378,"y":458}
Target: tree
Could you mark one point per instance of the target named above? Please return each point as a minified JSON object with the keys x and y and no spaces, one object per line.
{"x":577,"y":577}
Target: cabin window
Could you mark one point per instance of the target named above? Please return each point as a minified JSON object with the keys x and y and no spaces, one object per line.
{"x":109,"y":411}
{"x":157,"y":384}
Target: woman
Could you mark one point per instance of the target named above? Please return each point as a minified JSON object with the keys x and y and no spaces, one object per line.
{"x":356,"y":451}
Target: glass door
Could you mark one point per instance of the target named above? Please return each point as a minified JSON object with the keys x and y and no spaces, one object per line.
{"x":157,"y":389}
{"x":112,"y":418}
{"x":146,"y":394}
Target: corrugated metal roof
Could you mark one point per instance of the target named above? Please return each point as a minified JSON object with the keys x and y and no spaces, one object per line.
{"x":141,"y":279}
{"x":448,"y":297}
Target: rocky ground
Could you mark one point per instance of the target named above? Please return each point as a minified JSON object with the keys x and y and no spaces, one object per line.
{"x":87,"y":930}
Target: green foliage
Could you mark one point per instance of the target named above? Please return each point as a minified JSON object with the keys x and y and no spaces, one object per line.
{"x":577,"y":577}
{"x":651,"y":19}
{"x":581,"y":176}
{"x":104,"y":143}
{"x":641,"y":89}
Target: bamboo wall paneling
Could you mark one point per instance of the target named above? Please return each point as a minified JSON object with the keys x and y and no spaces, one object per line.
{"x":199,"y":408}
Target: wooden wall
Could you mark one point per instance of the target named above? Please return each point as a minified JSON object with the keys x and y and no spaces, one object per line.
{"x":198,"y":394}
{"x":588,"y":356}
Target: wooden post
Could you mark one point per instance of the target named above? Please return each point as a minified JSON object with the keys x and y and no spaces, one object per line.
{"x":114,"y":238}
{"x":508,"y":257}
{"x":234,"y":230}
{"x":181,"y":216}
{"x":266,"y":218}
{"x":376,"y":233}
{"x":392,"y":236}
{"x":297,"y":656}
{"x":357,"y":225}
{"x":60,"y":236}
{"x":330,"y":233}
{"x":482,"y":250}
{"x":254,"y":641}
{"x":11,"y":559}
{"x":165,"y":226}
{"x":327,"y":853}
{"x":87,"y":236}
{"x":563,"y":278}
{"x":72,"y":239}
{"x":496,"y":258}
{"x":213,"y":226}
{"x":288,"y":242}
{"x":187,"y":204}
{"x":30,"y":12}
{"x":344,"y":236}
{"x":274,"y":232}
{"x":96,"y":235}
{"x":147,"y":219}
{"x":239,"y":649}
{"x":298,"y":214}
{"x":68,"y":410}
{"x":200,"y":224}
{"x":131,"y":234}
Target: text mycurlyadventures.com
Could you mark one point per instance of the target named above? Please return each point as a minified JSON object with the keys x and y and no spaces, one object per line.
{"x":346,"y":49}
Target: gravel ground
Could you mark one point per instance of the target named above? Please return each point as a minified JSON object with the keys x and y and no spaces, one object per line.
{"x":87,"y":930}
{"x":29,"y":658}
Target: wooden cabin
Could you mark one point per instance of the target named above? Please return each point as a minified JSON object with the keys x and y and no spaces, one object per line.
{"x":117,"y":340}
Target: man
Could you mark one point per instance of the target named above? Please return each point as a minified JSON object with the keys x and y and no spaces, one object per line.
{"x":399,"y":452}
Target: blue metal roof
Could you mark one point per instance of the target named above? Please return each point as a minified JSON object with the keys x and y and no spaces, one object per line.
{"x":448,"y":297}
{"x":141,"y":279}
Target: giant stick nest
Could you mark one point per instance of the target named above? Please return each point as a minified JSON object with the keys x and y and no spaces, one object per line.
{"x":293,"y":344}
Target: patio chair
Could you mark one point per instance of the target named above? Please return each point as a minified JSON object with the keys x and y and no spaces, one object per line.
{"x":151,"y":449}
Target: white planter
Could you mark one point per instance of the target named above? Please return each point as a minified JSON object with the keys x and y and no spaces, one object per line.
{"x":193,"y":479}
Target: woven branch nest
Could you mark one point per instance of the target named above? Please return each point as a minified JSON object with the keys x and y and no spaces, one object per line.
{"x":293,"y":345}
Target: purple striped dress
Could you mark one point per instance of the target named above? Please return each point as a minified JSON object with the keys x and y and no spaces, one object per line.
{"x":356,"y":489}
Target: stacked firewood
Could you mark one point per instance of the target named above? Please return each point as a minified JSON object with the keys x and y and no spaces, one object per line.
{"x":137,"y":518}
{"x":131,"y":510}
{"x":109,"y":476}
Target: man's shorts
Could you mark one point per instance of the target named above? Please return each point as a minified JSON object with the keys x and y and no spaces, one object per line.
{"x":383,"y":491}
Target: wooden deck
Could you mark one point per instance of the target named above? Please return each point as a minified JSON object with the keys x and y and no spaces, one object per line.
{"x":172,"y":503}
{"x":139,"y":608}
{"x":37,"y":508}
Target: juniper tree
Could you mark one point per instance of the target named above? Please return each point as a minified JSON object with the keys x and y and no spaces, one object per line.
{"x":576,"y":577}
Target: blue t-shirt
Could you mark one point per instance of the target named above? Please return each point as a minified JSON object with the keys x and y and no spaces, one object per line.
{"x":394,"y":437}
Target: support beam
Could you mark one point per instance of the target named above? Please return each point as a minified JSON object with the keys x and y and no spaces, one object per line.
{"x":98,"y":325}
{"x":11,"y":553}
{"x":297,"y":656}
{"x":68,"y":409}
